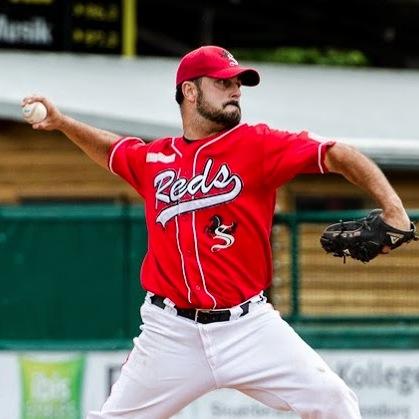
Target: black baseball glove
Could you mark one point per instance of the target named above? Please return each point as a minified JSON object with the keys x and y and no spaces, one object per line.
{"x":364,"y":239}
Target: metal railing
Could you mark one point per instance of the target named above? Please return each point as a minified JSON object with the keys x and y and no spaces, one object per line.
{"x":296,"y":313}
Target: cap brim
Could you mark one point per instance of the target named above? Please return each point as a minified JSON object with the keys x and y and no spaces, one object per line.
{"x":248,"y":76}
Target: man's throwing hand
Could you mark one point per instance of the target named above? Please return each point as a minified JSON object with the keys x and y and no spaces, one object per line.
{"x":54,"y":117}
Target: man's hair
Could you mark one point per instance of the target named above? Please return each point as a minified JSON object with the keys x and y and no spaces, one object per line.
{"x":179,"y":94}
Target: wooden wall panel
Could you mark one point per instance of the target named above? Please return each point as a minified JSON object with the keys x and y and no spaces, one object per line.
{"x":39,"y":165}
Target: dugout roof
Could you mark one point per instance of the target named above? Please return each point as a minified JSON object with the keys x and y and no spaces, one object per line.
{"x":375,"y":109}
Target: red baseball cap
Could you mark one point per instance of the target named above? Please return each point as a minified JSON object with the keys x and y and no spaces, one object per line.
{"x":215,"y":62}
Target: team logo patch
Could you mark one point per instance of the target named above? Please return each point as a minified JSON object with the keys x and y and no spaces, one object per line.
{"x":394,"y":237}
{"x":232,"y":61}
{"x":220,"y":231}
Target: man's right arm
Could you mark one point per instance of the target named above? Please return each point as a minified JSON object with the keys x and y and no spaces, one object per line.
{"x":93,"y":141}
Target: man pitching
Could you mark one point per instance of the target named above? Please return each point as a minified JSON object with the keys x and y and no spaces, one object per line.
{"x":209,"y":202}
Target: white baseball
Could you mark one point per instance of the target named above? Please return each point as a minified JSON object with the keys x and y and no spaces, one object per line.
{"x":35,"y":112}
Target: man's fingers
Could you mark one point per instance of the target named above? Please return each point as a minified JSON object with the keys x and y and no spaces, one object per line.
{"x":385,"y":250}
{"x":29,"y":99}
{"x":35,"y":98}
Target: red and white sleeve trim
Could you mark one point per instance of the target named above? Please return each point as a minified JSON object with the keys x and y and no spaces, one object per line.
{"x":321,"y":154}
{"x":115,"y":147}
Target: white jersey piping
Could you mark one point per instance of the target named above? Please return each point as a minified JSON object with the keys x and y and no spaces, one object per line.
{"x":175,"y":148}
{"x":193,"y":213}
{"x":182,"y":260}
{"x":199,"y":262}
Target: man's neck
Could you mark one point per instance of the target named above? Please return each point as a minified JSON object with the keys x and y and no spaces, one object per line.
{"x":198,"y":127}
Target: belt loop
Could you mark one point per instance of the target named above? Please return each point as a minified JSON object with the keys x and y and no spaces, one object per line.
{"x":168,"y":302}
{"x":236,"y":312}
{"x":148,"y":296}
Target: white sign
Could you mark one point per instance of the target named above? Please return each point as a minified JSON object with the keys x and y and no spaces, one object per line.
{"x":386,"y":383}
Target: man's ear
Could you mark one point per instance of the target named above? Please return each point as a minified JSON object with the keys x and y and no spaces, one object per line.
{"x":190,"y":91}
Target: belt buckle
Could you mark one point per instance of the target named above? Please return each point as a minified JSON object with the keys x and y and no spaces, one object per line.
{"x":202,"y":310}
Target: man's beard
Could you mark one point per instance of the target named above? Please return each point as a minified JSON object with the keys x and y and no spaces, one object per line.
{"x":227,"y":119}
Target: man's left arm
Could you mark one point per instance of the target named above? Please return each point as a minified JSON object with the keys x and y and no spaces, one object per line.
{"x":362,"y":172}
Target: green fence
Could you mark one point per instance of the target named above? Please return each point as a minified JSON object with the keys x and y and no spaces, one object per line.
{"x":69,"y":274}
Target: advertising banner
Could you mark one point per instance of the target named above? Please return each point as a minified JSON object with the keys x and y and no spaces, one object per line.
{"x":386,"y":382}
{"x":51,"y":387}
{"x":40,"y":385}
{"x":31,"y":25}
{"x":62,"y":25}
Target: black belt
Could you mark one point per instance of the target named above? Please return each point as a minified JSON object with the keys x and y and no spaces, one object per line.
{"x":201,"y":315}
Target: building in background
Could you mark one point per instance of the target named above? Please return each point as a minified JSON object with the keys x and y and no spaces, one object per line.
{"x":385,"y":33}
{"x":63,"y":264}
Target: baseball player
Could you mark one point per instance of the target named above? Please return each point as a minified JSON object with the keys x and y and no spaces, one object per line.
{"x":209,"y":199}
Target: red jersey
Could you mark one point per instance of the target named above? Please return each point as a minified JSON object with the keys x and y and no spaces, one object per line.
{"x":209,"y":205}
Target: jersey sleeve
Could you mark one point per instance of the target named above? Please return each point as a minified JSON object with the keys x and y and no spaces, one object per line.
{"x":127,"y":157}
{"x":288,"y":154}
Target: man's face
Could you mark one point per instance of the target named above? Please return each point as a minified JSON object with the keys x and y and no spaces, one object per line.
{"x":219,"y":101}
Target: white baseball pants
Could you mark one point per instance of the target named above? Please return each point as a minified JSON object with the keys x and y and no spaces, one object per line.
{"x":175,"y":361}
